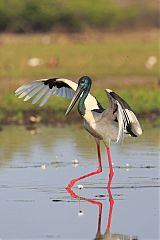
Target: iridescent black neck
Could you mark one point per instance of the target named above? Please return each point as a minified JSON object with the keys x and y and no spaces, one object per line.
{"x":81,"y":105}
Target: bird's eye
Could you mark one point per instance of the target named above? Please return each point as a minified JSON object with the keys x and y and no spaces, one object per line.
{"x":83,"y":81}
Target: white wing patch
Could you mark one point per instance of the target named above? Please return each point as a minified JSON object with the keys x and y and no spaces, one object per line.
{"x":126,"y":117}
{"x":120,"y":136}
{"x":133,"y":120}
{"x":127,"y":121}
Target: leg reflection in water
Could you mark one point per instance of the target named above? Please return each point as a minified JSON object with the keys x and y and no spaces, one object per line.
{"x":107,"y":235}
{"x":99,"y":204}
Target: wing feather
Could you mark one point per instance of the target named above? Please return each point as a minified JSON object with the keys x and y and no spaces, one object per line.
{"x":127,"y":121}
{"x":33,"y":92}
{"x":27,"y":86}
{"x":58,"y":93}
{"x":37,"y":98}
{"x":46,"y":97}
{"x":120,"y":136}
{"x":63,"y":91}
{"x":59,"y":86}
{"x":44,"y":90}
{"x":26,"y":91}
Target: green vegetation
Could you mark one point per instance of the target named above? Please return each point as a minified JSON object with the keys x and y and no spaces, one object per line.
{"x":115,"y":61}
{"x":45,"y":15}
{"x":99,"y":55}
{"x":143,"y":100}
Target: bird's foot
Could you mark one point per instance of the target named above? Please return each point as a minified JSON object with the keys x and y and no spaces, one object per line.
{"x":71,"y":184}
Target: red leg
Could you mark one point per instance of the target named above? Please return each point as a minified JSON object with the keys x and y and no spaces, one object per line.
{"x":111,"y":173}
{"x":99,"y":170}
{"x":111,"y":201}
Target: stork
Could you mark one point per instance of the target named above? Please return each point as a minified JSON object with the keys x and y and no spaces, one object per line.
{"x":107,"y":125}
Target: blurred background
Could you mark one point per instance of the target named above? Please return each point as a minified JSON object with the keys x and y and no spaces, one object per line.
{"x":115,"y":42}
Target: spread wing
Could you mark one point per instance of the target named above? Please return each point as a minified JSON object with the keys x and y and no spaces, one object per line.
{"x":41,"y":90}
{"x":124,"y":115}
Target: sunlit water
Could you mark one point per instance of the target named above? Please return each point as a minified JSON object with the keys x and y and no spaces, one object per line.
{"x":35,"y":169}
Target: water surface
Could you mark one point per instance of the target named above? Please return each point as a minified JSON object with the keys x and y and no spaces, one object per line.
{"x":36,"y":165}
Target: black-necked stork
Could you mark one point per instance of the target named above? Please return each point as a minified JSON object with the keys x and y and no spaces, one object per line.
{"x":109,"y":125}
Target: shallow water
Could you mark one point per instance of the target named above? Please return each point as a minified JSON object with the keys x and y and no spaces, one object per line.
{"x":36,"y":166}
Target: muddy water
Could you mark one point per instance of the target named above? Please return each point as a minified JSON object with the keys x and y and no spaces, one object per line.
{"x":36,"y":166}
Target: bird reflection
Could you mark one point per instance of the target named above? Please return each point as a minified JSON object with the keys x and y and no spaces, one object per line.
{"x":107,"y":234}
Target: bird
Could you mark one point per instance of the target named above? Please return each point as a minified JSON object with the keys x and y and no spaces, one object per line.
{"x":107,"y":125}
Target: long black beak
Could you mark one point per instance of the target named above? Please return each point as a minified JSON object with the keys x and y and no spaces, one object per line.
{"x":74,"y":99}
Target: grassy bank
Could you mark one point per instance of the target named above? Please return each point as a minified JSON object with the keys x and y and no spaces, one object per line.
{"x":116,"y":60}
{"x":96,"y":54}
{"x":144,"y":101}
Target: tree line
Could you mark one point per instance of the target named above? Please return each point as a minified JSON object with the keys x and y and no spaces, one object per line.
{"x":23,"y":16}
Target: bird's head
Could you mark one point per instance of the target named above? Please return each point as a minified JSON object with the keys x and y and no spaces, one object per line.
{"x":84,"y":85}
